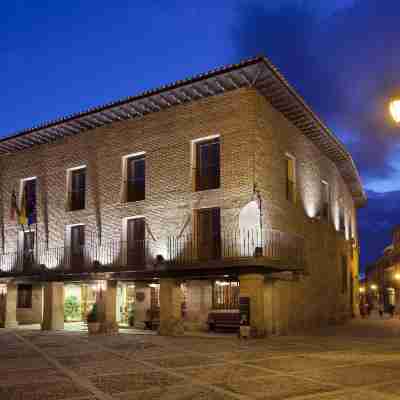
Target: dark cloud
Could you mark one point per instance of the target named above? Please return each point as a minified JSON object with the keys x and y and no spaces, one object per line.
{"x":346,"y":66}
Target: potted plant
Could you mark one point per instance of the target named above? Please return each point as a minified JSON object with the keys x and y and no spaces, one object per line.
{"x":92,"y":320}
{"x":131,"y":317}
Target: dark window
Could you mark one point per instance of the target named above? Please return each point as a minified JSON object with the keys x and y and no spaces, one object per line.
{"x":136,"y":178}
{"x":78,"y":189}
{"x":30,"y":198}
{"x":207,"y":165}
{"x":226,"y":295}
{"x":209,"y":234}
{"x":77,"y":246}
{"x":24,"y":296}
{"x":344,"y":274}
{"x":291,"y":179}
{"x":136,"y":242}
{"x":325,"y":201}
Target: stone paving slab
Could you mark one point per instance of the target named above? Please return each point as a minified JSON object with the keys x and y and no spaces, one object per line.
{"x":187,"y":392}
{"x":348,"y":364}
{"x":137,"y":381}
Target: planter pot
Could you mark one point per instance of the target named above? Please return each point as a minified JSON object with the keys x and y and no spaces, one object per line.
{"x":93,"y":327}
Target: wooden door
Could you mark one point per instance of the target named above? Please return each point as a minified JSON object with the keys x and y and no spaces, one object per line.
{"x":29,"y":247}
{"x":77,"y":247}
{"x":209,"y":234}
{"x":136,"y":242}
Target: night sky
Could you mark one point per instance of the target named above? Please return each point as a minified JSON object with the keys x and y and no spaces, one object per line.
{"x":342,"y":56}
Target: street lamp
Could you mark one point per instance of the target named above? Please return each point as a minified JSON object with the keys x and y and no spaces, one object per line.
{"x":397,"y":276}
{"x":395,"y":110}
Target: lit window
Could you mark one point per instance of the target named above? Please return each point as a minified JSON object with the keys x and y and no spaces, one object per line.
{"x":226,"y":295}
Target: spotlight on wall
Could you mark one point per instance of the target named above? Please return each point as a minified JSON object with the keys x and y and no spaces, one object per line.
{"x":362,"y":289}
{"x":397,"y":276}
{"x":373,"y":287}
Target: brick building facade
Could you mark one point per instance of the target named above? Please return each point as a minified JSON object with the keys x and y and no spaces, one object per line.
{"x":221,"y":186}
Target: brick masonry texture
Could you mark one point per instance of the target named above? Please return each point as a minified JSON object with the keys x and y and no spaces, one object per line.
{"x":254,"y":141}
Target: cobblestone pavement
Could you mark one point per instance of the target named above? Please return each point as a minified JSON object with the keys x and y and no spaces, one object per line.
{"x":358,"y":361}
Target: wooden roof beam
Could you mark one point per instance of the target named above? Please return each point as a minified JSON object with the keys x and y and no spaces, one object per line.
{"x":166,"y":101}
{"x":245,"y":78}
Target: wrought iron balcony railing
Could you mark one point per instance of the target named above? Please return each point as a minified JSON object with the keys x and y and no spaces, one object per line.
{"x":238,"y":245}
{"x":93,"y":257}
{"x":241,"y":247}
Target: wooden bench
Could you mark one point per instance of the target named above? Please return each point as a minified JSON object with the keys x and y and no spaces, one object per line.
{"x":229,"y":320}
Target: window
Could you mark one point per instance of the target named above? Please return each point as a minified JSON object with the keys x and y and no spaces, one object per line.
{"x":154,"y":296}
{"x":207,"y":164}
{"x":136,"y":242}
{"x":28,"y":199}
{"x":135,"y":178}
{"x":208,"y":234}
{"x":291,"y":178}
{"x":325,"y":206}
{"x":77,"y":189}
{"x":342,"y":226}
{"x":344,"y":274}
{"x":226,"y":295}
{"x":24,"y":299}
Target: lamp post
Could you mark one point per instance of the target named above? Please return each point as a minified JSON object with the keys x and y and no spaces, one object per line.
{"x":394,"y":108}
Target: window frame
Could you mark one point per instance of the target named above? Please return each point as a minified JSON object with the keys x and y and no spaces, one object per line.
{"x":23,"y":184}
{"x":70,"y":191}
{"x":24,"y":301}
{"x":325,"y":212}
{"x":291,"y":184}
{"x":229,"y":297}
{"x":200,"y":182}
{"x":126,"y":170}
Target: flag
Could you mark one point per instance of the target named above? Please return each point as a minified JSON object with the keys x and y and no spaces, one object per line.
{"x":14,"y":207}
{"x":22,"y":219}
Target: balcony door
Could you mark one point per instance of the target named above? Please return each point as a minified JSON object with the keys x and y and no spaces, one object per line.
{"x":29,"y":247}
{"x":136,"y":242}
{"x":77,"y":247}
{"x":209,"y":234}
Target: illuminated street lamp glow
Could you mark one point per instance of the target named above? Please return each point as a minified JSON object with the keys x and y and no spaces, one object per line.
{"x":374,"y":287}
{"x":362,"y":290}
{"x":395,"y":110}
{"x":397,"y":277}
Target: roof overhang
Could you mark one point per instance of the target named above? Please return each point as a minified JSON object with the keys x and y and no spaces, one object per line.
{"x":257,"y":72}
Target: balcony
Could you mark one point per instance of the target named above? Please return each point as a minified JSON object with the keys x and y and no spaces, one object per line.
{"x":272,"y":249}
{"x":91,"y":258}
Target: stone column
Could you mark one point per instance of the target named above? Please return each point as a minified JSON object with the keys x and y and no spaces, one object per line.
{"x":170,"y":307}
{"x":252,"y":286}
{"x":142,"y":304}
{"x":53,"y":306}
{"x":111,"y":302}
{"x":198,"y":304}
{"x":9,"y":319}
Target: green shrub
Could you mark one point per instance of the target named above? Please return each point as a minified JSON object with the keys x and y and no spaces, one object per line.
{"x":72,"y":309}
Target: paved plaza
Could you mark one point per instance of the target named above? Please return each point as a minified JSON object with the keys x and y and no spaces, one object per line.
{"x":358,"y":361}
